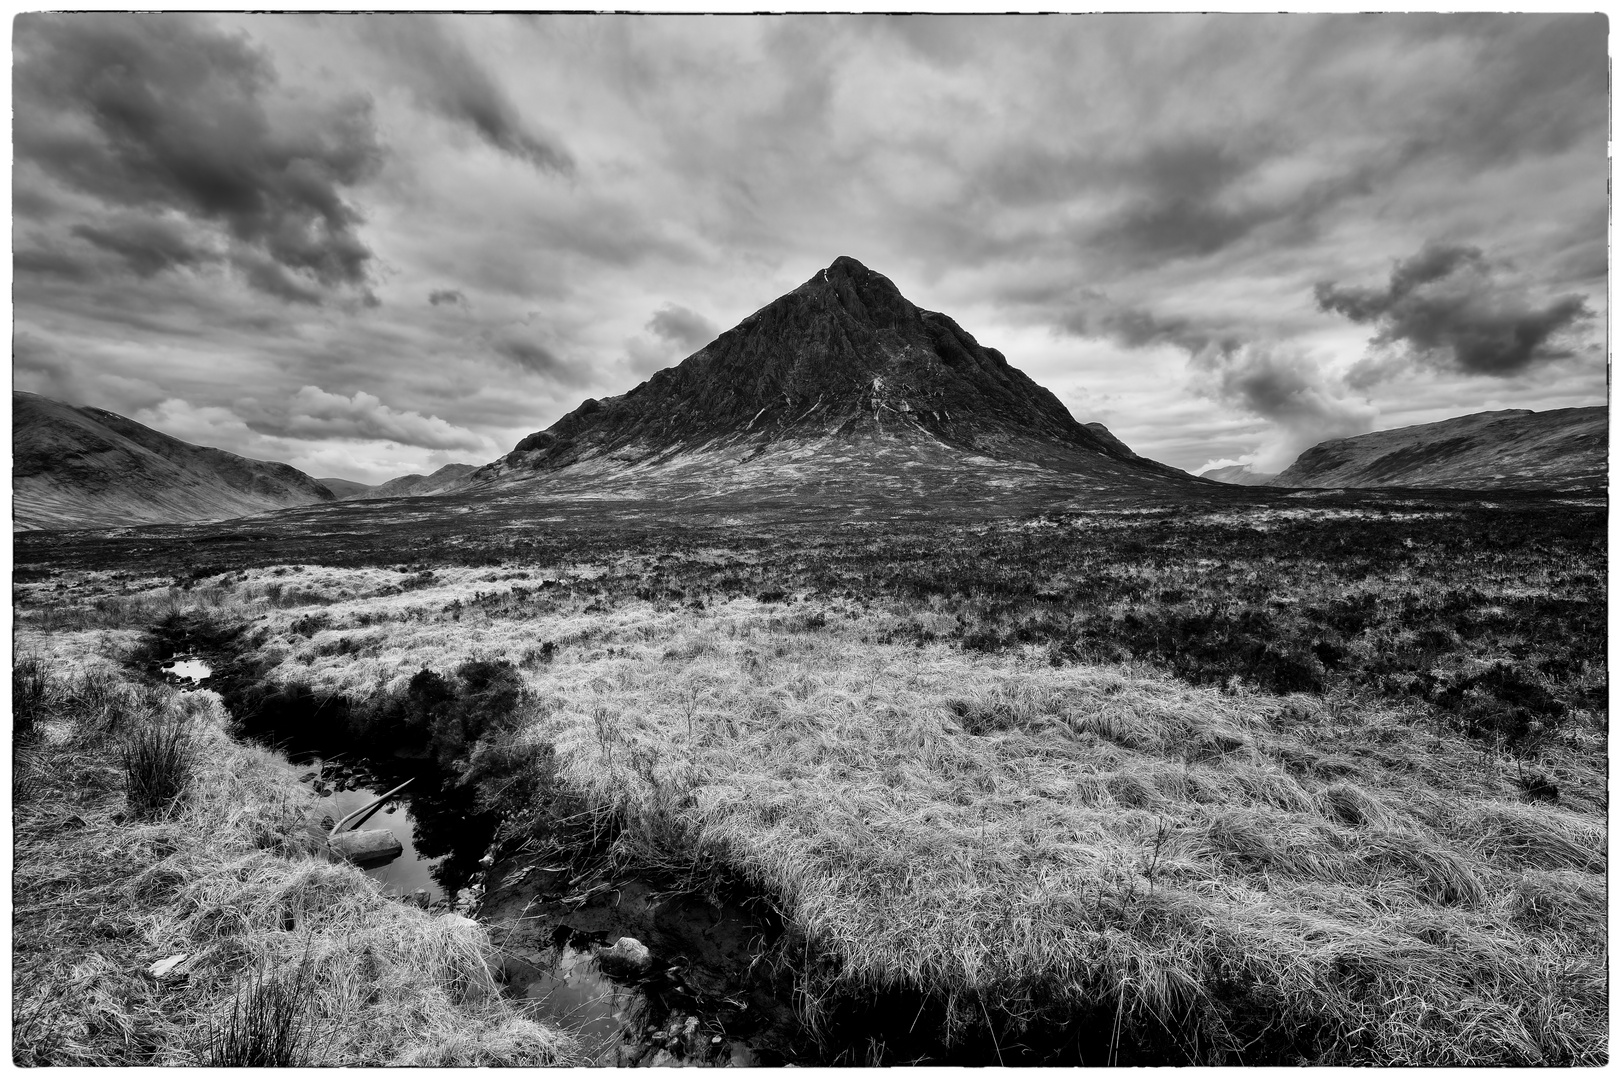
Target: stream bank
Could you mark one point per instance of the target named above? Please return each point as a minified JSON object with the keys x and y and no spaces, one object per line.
{"x":728,"y":982}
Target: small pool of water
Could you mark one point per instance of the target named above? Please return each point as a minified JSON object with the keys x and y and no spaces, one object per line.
{"x":187,"y":669}
{"x":638,"y":1022}
{"x":440,"y":846}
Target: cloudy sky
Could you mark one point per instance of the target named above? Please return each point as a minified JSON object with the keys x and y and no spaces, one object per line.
{"x":372,"y":245}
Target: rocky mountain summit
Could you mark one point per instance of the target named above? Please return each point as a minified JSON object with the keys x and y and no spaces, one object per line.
{"x":1561,"y":449}
{"x":78,"y":467}
{"x":842,"y":379}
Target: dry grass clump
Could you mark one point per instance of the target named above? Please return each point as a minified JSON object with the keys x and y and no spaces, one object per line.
{"x":289,"y":959}
{"x":1250,"y":880}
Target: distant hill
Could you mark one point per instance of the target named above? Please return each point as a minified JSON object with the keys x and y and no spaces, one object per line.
{"x":1238,"y":474}
{"x":75,"y":467}
{"x":840,"y":390}
{"x":347,"y":489}
{"x":448,"y":478}
{"x":1561,"y":449}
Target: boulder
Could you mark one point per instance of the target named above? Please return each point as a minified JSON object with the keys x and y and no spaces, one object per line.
{"x":627,"y":956}
{"x":367,"y":847}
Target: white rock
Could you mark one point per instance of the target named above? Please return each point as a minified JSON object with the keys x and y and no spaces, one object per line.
{"x":457,"y":920}
{"x":627,"y":957}
{"x":367,"y":847}
{"x":163,"y":967}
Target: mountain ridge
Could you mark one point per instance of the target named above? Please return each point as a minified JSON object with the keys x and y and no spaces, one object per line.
{"x":1555,"y":449}
{"x":83,"y":467}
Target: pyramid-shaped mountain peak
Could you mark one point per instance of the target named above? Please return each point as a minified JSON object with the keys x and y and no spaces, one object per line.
{"x":839,"y":369}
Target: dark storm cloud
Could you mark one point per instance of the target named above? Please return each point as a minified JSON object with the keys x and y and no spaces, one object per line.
{"x":148,"y":245}
{"x":1539,"y":86}
{"x":446,"y":296}
{"x":1092,"y":314}
{"x":165,"y":113}
{"x":447,"y":78}
{"x":57,"y":264}
{"x":682,"y":327}
{"x":1179,"y":208}
{"x":1451,"y":301}
{"x":529,"y":355}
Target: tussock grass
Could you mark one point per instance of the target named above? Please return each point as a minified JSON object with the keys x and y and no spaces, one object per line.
{"x":29,"y":697}
{"x":159,"y":759}
{"x":269,"y":1026}
{"x":290,"y":958}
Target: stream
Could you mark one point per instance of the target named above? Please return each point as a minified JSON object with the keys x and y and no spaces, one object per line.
{"x":708,"y":995}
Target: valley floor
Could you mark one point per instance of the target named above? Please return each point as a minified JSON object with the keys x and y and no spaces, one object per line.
{"x":1221,"y":787}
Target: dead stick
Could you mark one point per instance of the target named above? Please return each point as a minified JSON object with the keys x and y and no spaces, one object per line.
{"x":368,"y":810}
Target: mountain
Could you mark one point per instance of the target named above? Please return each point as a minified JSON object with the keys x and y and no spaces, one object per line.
{"x":75,"y":467}
{"x":448,"y":478}
{"x":839,"y":387}
{"x":346,"y":489}
{"x":1561,"y":449}
{"x":1238,"y":474}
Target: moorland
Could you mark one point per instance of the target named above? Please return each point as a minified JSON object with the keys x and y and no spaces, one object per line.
{"x":1261,"y":778}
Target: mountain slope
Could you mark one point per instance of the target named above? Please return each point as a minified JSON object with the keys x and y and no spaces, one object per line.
{"x":83,"y":468}
{"x":346,"y":489}
{"x":842,"y":381}
{"x":1512,"y":448}
{"x":1242,"y":475}
{"x":447,"y":478}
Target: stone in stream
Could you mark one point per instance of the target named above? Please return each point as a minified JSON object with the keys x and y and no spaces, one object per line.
{"x":627,"y":957}
{"x":367,"y":847}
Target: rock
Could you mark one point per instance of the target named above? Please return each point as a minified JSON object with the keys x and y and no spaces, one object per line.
{"x":457,"y":920}
{"x":367,"y":847}
{"x":165,"y":968}
{"x":627,"y":957}
{"x":422,"y":898}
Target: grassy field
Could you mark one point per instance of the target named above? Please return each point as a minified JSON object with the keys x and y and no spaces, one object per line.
{"x":1318,"y":783}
